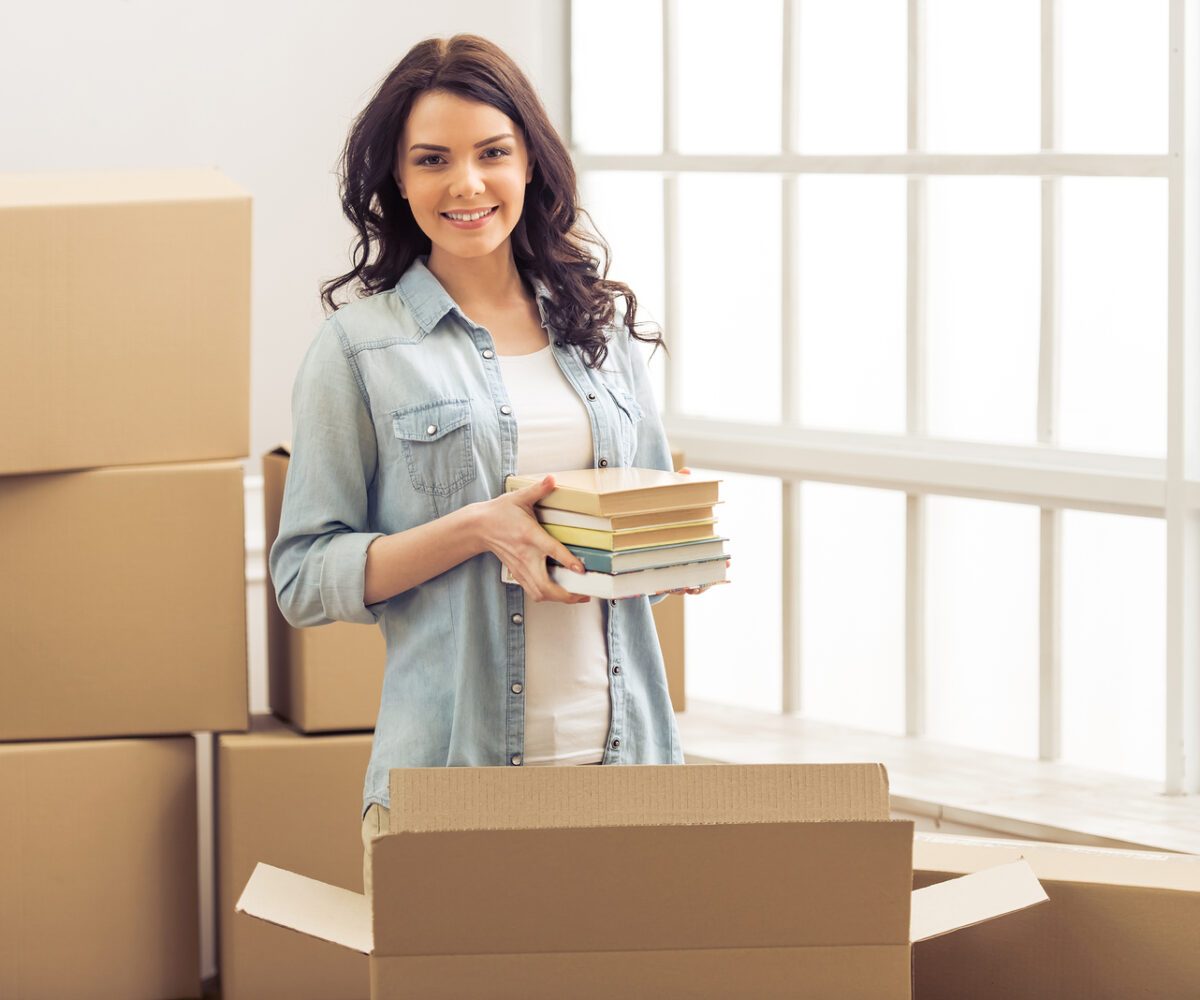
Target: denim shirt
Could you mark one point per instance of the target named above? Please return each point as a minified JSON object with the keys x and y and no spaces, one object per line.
{"x":400,"y":416}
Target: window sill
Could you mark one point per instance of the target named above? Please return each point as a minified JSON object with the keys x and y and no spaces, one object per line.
{"x":957,"y":789}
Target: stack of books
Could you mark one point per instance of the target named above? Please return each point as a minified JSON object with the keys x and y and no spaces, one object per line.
{"x":636,"y":531}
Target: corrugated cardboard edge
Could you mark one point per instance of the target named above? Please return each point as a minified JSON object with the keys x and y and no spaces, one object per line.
{"x":939,"y":852}
{"x":308,"y":906}
{"x":496,"y":798}
{"x":972,"y":899}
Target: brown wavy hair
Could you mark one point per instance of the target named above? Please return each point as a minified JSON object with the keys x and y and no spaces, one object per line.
{"x":548,"y":240}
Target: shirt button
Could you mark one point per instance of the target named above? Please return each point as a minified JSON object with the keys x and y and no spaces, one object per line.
{"x":489,"y":353}
{"x":613,"y":602}
{"x":558,"y":343}
{"x":516,"y":758}
{"x":506,"y":409}
{"x":431,"y":429}
{"x":604,"y":463}
{"x":616,"y":668}
{"x":517,"y":688}
{"x":517,"y":619}
{"x":616,"y":743}
{"x":591,"y":395}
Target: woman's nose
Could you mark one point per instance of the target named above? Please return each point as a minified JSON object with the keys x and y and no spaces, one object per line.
{"x":467,"y":180}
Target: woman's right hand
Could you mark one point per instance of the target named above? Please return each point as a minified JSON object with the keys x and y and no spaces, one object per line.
{"x":513,"y":533}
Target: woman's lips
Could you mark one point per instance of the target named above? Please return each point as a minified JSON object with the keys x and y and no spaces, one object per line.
{"x":476,"y":224}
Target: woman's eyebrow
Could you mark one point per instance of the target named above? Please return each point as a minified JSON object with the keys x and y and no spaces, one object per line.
{"x":446,"y":149}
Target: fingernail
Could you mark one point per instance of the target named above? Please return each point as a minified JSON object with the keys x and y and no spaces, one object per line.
{"x":579,"y":568}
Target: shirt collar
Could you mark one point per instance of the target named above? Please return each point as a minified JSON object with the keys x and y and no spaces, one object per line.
{"x":429,"y":300}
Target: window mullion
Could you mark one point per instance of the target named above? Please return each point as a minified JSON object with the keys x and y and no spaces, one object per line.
{"x":1050,"y":547}
{"x":915,"y":369}
{"x":1181,"y":744}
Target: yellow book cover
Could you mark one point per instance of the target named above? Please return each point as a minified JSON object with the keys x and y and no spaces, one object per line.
{"x":619,"y":541}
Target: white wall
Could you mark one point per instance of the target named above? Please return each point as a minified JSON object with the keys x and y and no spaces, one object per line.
{"x":265,"y":92}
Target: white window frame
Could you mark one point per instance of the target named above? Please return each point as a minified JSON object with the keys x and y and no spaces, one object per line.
{"x":1054,"y":479}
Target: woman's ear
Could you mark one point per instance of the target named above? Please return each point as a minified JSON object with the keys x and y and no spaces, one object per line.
{"x":529,"y":173}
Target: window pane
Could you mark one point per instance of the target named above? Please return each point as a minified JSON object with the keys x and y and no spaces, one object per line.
{"x":625,"y":206}
{"x":850,"y":288}
{"x":852,"y":600}
{"x":1114,"y":642}
{"x":851,"y":84}
{"x":733,"y":631}
{"x":616,"y":76}
{"x":983,"y":308}
{"x":1115,"y":62}
{"x":983,"y":76}
{"x":729,"y":296}
{"x":730,"y":76}
{"x":1114,"y":315}
{"x":981,"y":624}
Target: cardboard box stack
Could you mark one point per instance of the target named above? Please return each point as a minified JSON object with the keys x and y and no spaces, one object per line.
{"x":126,"y":400}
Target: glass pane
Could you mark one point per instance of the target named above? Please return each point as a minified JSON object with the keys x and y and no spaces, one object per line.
{"x":981,"y":624}
{"x":1114,"y":651}
{"x":730,"y":76}
{"x":729,"y":256}
{"x":734,"y":631}
{"x":624,"y":207}
{"x":851,"y":294}
{"x":1115,"y":63}
{"x":984,"y":309}
{"x":852,"y":606}
{"x":1114,"y":315}
{"x":616,"y":76}
{"x":983,"y":76}
{"x":851,"y":84}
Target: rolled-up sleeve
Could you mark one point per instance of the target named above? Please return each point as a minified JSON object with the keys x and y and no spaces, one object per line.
{"x":318,"y":561}
{"x":653,"y":448}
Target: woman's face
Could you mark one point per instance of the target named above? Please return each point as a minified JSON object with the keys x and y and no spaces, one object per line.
{"x":468,"y":156}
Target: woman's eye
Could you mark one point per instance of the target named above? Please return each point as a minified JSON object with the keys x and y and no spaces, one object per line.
{"x":424,"y":161}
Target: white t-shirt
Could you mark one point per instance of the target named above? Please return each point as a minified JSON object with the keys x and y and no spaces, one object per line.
{"x":567,"y":709}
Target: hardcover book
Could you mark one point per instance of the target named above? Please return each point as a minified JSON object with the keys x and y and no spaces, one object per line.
{"x":608,"y":491}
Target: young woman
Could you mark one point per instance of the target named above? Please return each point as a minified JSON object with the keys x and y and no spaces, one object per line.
{"x":484,"y":342}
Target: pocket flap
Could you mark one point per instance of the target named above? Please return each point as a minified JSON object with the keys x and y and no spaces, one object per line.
{"x":625,"y":401}
{"x":431,"y":421}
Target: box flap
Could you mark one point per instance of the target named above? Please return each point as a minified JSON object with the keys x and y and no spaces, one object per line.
{"x":308,"y":906}
{"x":939,"y":852}
{"x":643,"y":888}
{"x":108,"y":187}
{"x":499,"y":798}
{"x":972,"y":899}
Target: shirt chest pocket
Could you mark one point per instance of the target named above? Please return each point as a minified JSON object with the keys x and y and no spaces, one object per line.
{"x":629,"y":416}
{"x":436,"y":442}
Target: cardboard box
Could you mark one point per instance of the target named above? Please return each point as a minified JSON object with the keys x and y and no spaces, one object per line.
{"x":126,"y":300}
{"x":1119,"y":924}
{"x":766,"y":880}
{"x":99,"y":870}
{"x":124,"y":602}
{"x":325,"y":678}
{"x":293,"y":801}
{"x":669,"y":622}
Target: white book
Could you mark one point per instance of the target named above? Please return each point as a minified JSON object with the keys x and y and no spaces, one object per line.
{"x":642,"y":581}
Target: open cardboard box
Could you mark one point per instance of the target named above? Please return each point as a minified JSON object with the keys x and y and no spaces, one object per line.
{"x":763,"y":880}
{"x":1120,"y":924}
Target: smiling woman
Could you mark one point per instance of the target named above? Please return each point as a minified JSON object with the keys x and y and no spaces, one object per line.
{"x":485,"y":342}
